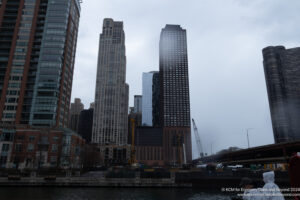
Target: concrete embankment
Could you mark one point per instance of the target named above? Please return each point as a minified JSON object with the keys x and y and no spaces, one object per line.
{"x":93,"y":182}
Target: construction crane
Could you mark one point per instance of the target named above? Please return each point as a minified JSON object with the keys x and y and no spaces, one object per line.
{"x":198,"y":141}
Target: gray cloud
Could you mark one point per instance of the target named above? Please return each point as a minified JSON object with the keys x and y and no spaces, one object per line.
{"x":225,"y":38}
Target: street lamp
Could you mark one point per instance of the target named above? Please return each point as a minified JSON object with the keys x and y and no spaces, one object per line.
{"x":248,"y":136}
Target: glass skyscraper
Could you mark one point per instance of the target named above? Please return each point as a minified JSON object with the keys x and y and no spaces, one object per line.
{"x":147,"y":82}
{"x":150,"y":103}
{"x":37,"y":52}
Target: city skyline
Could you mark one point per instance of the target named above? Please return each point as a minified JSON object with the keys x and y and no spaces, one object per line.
{"x":235,"y":78}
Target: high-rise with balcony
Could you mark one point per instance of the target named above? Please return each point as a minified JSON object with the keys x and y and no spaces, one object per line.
{"x":282,"y":72}
{"x":174,"y":95}
{"x":37,"y":52}
{"x":110,"y":121}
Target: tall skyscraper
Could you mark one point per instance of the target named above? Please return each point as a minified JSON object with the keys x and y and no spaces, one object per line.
{"x":147,"y":99}
{"x":282,"y":72}
{"x":138,"y":103}
{"x":150,"y":103}
{"x":111,"y":98}
{"x":75,"y":110}
{"x":85,"y":124}
{"x":174,"y":90}
{"x":38,"y":42}
{"x":155,"y":100}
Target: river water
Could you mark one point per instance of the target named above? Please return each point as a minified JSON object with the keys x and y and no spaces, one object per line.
{"x":50,"y":193}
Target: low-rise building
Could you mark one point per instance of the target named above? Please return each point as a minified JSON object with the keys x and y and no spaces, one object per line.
{"x":32,"y":148}
{"x":115,"y":154}
{"x":149,"y":146}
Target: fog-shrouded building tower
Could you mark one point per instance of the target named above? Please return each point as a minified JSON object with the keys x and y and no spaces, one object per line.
{"x":110,"y":119}
{"x":282,"y":72}
{"x":174,"y":95}
{"x":37,"y":52}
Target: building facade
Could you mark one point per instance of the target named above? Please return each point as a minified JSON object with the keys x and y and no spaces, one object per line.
{"x":38,"y":43}
{"x":85,"y":124}
{"x":37,"y":53}
{"x":282,"y":72}
{"x":75,"y":110}
{"x":174,"y":95}
{"x":155,"y":100}
{"x":33,"y":148}
{"x":147,"y":82}
{"x":149,"y":146}
{"x":150,"y":104}
{"x":137,"y":117}
{"x":111,"y":97}
{"x":138,"y":103}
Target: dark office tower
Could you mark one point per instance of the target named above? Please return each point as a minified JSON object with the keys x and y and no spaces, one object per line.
{"x":111,"y":98}
{"x":37,"y":53}
{"x":282,"y":72}
{"x":85,"y":125}
{"x":174,"y":90}
{"x":155,"y":99}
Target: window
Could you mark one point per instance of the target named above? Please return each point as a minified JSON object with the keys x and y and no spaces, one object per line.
{"x":3,"y":160}
{"x":54,"y":148}
{"x":30,"y":147}
{"x":5,"y":147}
{"x":53,"y":160}
{"x":18,"y":148}
{"x":31,"y":138}
{"x":21,"y":137}
{"x":55,"y":138}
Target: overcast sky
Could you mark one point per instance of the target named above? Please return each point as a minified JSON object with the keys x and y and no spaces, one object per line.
{"x":225,"y":39}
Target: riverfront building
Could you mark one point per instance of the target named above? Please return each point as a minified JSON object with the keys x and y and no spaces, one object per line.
{"x":282,"y":72}
{"x":37,"y":53}
{"x":34,"y":148}
{"x":174,"y":95}
{"x":148,"y":142}
{"x":111,"y":98}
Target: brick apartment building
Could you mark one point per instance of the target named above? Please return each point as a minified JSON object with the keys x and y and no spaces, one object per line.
{"x":31,"y":148}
